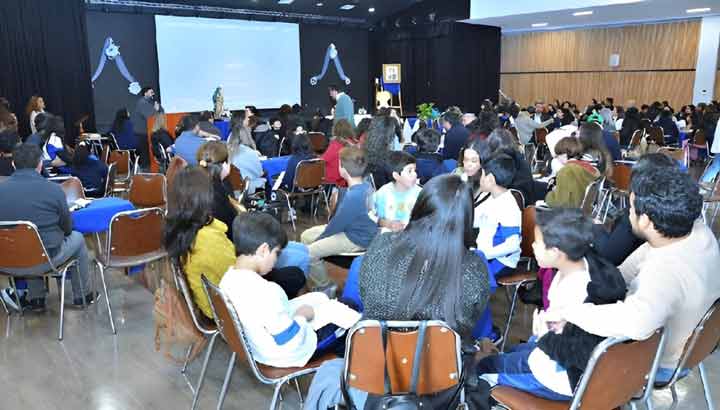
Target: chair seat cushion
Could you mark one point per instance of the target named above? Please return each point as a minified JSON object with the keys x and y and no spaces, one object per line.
{"x":519,"y":400}
{"x":520,"y":275}
{"x":127,"y":261}
{"x":279,"y":372}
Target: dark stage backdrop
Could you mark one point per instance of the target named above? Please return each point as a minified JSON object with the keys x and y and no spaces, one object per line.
{"x":43,"y":51}
{"x":352,"y":48}
{"x":134,"y":34}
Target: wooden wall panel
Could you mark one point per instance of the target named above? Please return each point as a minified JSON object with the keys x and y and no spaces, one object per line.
{"x":581,"y":88}
{"x":717,"y":85}
{"x":641,"y":47}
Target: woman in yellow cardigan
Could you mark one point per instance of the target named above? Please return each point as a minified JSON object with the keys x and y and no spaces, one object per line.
{"x":198,"y":242}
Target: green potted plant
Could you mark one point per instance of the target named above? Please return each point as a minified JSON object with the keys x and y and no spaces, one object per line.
{"x":427,"y":113}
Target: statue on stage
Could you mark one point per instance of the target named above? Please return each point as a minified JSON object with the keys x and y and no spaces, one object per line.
{"x":218,"y":102}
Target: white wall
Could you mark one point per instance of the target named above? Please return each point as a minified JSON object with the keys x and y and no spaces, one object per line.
{"x":707,"y":61}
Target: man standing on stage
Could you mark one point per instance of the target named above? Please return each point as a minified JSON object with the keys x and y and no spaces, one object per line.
{"x":344,"y":108}
{"x":145,"y":108}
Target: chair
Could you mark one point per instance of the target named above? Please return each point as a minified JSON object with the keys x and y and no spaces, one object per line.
{"x":621,"y":179}
{"x":236,"y":180}
{"x":678,"y":154}
{"x":123,"y":170}
{"x":110,"y":180}
{"x":229,"y":326}
{"x":636,"y":138}
{"x":23,"y":248}
{"x":711,"y":197}
{"x":592,"y":192}
{"x":519,"y":198}
{"x":201,"y":324}
{"x":309,"y":177}
{"x":148,"y":190}
{"x":540,"y":136}
{"x":616,"y":371}
{"x":73,"y":190}
{"x":366,"y":359}
{"x":522,"y":276}
{"x":318,"y":142}
{"x":176,"y":164}
{"x":701,"y":343}
{"x":134,"y":238}
{"x":106,"y":154}
{"x":656,"y":135}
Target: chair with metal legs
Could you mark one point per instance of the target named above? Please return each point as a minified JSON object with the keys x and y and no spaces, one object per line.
{"x":22,"y":248}
{"x":309,"y":177}
{"x":209,"y":330}
{"x":232,"y":331}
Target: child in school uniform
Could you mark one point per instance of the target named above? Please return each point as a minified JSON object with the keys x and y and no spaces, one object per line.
{"x":393,"y":203}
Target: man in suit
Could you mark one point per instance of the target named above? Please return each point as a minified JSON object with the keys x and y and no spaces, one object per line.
{"x":455,"y":133}
{"x":344,"y":108}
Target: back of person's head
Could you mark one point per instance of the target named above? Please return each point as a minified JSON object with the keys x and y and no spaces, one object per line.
{"x":33,"y":104}
{"x":240,"y":135}
{"x":121,"y":116}
{"x":428,"y":140}
{"x":26,"y":156}
{"x":655,"y":160}
{"x":189,"y":122}
{"x":567,"y":117}
{"x":55,"y":125}
{"x":670,"y":199}
{"x":379,"y":137}
{"x":569,"y":146}
{"x":398,"y":160}
{"x":253,"y":229}
{"x":159,"y":122}
{"x":354,"y":161}
{"x":343,"y":131}
{"x":252,"y":121}
{"x":212,"y":156}
{"x":206,"y":116}
{"x":566,"y":230}
{"x":82,"y":153}
{"x":190,"y":204}
{"x":301,"y":144}
{"x":591,"y":139}
{"x":452,"y":115}
{"x":334,"y":87}
{"x":8,"y":121}
{"x":502,"y":167}
{"x":440,"y":227}
{"x":8,"y":140}
{"x":362,"y":127}
{"x":485,"y":123}
{"x":501,"y":139}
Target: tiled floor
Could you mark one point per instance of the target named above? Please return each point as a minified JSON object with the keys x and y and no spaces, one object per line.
{"x":92,"y":369}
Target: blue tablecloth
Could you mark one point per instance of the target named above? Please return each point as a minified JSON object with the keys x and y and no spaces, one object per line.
{"x":683,"y":136}
{"x":224,"y":127}
{"x":97,"y":215}
{"x":274,"y":166}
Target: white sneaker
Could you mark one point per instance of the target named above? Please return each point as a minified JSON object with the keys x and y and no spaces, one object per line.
{"x":8,"y":296}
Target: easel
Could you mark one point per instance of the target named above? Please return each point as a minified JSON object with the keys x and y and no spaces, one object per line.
{"x":383,"y":97}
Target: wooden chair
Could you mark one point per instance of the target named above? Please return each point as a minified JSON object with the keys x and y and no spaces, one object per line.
{"x":176,"y":164}
{"x":73,"y":190}
{"x":621,"y":181}
{"x":701,"y":343}
{"x":148,"y":190}
{"x":656,"y":135}
{"x":541,"y":136}
{"x":318,"y":142}
{"x":23,"y":249}
{"x":134,"y":238}
{"x":366,"y":359}
{"x":110,"y":180}
{"x":592,"y":193}
{"x":617,"y":370}
{"x":203,"y":325}
{"x":238,"y":183}
{"x":522,"y":276}
{"x":636,"y":138}
{"x":106,"y":154}
{"x":309,"y":177}
{"x":123,"y":170}
{"x":231,"y":329}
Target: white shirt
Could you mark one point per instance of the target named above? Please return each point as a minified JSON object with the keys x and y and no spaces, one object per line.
{"x":502,"y":210}
{"x":557,"y":134}
{"x":618,"y":123}
{"x":56,"y":142}
{"x":275,"y":337}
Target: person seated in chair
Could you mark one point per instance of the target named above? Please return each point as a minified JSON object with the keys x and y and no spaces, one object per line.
{"x":91,"y":171}
{"x":188,"y":143}
{"x":8,"y":140}
{"x":393,"y":202}
{"x":43,"y":203}
{"x":429,"y":162}
{"x":301,"y":151}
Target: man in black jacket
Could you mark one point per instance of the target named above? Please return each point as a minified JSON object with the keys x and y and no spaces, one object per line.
{"x":455,"y":133}
{"x":35,"y":199}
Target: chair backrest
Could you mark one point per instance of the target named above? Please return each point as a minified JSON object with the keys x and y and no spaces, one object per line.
{"x":591,"y":195}
{"x":440,"y":364}
{"x":636,"y":138}
{"x":540,"y":136}
{"x":148,"y":190}
{"x":235,"y":179}
{"x":309,"y":174}
{"x":110,"y":180}
{"x":617,"y":370}
{"x":621,"y":175}
{"x":616,"y":135}
{"x":318,"y":142}
{"x":176,"y":164}
{"x":656,"y":135}
{"x":73,"y":189}
{"x":135,"y":233}
{"x":122,"y":159}
{"x":699,"y":137}
{"x":106,"y":154}
{"x":519,"y":198}
{"x":702,"y":341}
{"x":181,"y":283}
{"x":678,"y":154}
{"x":527,"y":232}
{"x":21,"y":245}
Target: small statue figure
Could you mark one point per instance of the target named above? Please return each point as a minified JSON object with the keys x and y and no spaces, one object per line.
{"x":218,"y":102}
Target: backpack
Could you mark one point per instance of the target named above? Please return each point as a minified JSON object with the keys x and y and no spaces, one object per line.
{"x":174,"y":324}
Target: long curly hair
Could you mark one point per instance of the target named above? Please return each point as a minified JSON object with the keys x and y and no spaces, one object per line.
{"x":379,"y":138}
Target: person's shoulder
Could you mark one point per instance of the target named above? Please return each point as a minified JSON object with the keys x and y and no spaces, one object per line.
{"x":474,"y":266}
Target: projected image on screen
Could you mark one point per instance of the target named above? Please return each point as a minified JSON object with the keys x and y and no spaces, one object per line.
{"x":256,"y":63}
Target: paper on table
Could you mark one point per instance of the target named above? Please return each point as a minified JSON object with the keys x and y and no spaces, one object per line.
{"x":278,"y":181}
{"x":326,"y":310}
{"x":79,"y":204}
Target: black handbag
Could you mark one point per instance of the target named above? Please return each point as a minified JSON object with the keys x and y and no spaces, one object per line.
{"x":405,"y":401}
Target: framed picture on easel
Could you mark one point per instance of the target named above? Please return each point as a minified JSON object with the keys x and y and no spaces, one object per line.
{"x":391,"y":74}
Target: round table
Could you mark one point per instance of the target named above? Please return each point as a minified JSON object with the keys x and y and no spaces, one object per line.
{"x":96,"y":216}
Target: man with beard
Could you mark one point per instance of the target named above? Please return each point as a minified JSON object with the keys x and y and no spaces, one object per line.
{"x":344,"y":109}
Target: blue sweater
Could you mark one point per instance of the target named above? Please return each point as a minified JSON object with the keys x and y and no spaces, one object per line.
{"x":187,"y":145}
{"x":351,"y":217}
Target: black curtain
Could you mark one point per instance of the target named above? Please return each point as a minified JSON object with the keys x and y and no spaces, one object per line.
{"x":43,"y":51}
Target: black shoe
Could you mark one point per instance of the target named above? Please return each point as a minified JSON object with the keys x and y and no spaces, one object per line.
{"x":90,"y":298}
{"x":36,"y":305}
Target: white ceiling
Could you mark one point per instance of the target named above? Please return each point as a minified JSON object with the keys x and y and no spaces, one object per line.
{"x":518,"y":15}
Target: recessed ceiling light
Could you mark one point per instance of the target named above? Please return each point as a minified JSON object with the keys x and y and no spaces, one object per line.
{"x":347,"y":7}
{"x":285,"y":1}
{"x":583,"y":13}
{"x":319,"y":4}
{"x":371,"y":10}
{"x":701,"y":10}
{"x":539,"y":24}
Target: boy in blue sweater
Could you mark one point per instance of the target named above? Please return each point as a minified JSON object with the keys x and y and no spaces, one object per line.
{"x":350,"y":229}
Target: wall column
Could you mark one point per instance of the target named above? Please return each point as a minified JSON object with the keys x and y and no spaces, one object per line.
{"x":707,"y":60}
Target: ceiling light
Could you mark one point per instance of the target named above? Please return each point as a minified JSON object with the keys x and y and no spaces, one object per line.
{"x":285,"y":1}
{"x":347,"y":7}
{"x":702,"y":10}
{"x":539,"y":24}
{"x":319,"y":4}
{"x":371,"y":10}
{"x":583,"y":13}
